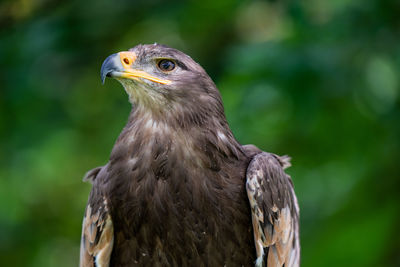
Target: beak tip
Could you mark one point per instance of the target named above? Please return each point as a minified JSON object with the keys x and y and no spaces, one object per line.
{"x":107,"y":67}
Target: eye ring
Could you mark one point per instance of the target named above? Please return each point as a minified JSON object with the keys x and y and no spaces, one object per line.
{"x":166,"y":65}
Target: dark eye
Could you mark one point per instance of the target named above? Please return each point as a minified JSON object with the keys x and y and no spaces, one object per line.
{"x":166,"y":65}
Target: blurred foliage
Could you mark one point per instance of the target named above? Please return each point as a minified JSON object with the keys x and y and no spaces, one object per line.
{"x":317,"y":80}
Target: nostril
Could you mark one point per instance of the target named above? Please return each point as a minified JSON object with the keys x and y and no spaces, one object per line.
{"x":126,"y":60}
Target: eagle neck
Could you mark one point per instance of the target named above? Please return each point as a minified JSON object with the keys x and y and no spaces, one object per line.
{"x":149,"y":135}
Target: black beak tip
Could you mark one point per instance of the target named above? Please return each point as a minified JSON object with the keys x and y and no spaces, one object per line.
{"x":107,"y":67}
{"x":103,"y":79}
{"x":103,"y":76}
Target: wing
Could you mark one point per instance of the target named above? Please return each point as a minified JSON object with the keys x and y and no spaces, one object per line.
{"x":97,"y":229}
{"x":274,"y":211}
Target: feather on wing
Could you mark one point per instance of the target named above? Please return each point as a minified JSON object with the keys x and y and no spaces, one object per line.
{"x":97,"y":229}
{"x":274,"y":211}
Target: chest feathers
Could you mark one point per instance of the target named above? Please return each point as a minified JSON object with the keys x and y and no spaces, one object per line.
{"x":160,"y":171}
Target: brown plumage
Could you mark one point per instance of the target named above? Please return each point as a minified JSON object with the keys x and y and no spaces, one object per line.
{"x":178,"y":189}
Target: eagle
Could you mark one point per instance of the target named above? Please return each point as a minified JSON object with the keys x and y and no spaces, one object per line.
{"x":179,"y":189}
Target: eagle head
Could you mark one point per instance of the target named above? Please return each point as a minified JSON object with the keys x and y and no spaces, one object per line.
{"x":164,"y":80}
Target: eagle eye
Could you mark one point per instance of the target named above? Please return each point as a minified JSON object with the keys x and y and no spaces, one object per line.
{"x":166,"y":65}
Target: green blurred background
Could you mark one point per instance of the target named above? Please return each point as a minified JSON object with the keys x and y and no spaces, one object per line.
{"x":318,"y":80}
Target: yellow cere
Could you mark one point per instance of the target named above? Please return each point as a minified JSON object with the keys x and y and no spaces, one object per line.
{"x":127,"y":59}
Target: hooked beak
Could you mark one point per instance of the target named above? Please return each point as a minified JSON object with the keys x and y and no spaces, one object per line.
{"x":119,"y":65}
